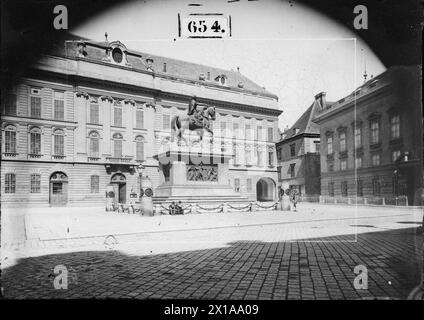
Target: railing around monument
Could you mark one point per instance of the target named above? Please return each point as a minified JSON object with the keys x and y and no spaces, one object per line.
{"x":393,"y":201}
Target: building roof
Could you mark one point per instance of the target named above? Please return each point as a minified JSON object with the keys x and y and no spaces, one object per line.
{"x":395,"y":74}
{"x":174,"y":67}
{"x":304,"y":124}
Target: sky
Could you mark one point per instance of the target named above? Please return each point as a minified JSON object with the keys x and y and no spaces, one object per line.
{"x":290,"y":49}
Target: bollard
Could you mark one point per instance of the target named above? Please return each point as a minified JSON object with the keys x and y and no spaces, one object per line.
{"x":146,"y":194}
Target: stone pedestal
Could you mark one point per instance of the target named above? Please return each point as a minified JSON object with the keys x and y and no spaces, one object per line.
{"x":194,"y":174}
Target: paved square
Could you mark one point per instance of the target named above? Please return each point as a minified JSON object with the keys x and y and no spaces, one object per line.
{"x":310,"y":254}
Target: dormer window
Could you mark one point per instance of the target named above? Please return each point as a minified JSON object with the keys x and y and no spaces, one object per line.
{"x":117,"y":55}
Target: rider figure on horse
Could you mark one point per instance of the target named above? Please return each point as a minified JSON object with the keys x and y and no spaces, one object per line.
{"x":194,"y":114}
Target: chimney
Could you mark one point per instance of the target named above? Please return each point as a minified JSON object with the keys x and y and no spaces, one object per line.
{"x":320,"y":98}
{"x":209,"y":75}
{"x":164,"y":67}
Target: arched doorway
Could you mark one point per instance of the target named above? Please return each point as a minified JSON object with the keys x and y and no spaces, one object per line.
{"x":58,"y":189}
{"x":265,"y":189}
{"x":119,"y":184}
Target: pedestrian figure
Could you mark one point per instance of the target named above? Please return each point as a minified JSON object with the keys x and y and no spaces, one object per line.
{"x":180,"y":208}
{"x":172,"y":208}
{"x":294,"y":198}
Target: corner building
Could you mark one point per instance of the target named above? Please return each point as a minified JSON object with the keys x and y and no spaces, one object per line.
{"x":88,"y":113}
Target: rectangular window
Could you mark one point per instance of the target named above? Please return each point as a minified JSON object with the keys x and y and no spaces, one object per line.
{"x":139,"y":150}
{"x":249,"y":185}
{"x":259,"y":158}
{"x":270,"y":134}
{"x":94,"y":147}
{"x":343,"y":164}
{"x":358,"y":162}
{"x":117,"y":116}
{"x":279,"y":154}
{"x":10,"y":141}
{"x":359,"y":188}
{"x":223,"y":128}
{"x":237,"y":185}
{"x":117,"y":148}
{"x":292,"y":170}
{"x":395,"y":127}
{"x":59,"y":106}
{"x":376,"y":186}
{"x":375,"y":132}
{"x":358,"y":137}
{"x":57,"y":187}
{"x":270,"y":158}
{"x":235,"y":155}
{"x":94,"y":113}
{"x":35,"y":183}
{"x":342,"y":140}
{"x":236,"y":132}
{"x":9,"y":183}
{"x":317,"y":146}
{"x":35,"y":143}
{"x":375,"y":160}
{"x":395,"y":155}
{"x":344,"y":188}
{"x":330,"y":167}
{"x":329,"y":145}
{"x":248,"y":157}
{"x":292,"y":150}
{"x":248,"y":132}
{"x":10,"y":108}
{"x":259,"y":133}
{"x":166,"y":121}
{"x":94,"y":184}
{"x":331,"y":189}
{"x":35,"y":107}
{"x":139,"y":119}
{"x":58,"y":145}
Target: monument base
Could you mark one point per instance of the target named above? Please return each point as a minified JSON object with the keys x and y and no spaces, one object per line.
{"x":195,"y":174}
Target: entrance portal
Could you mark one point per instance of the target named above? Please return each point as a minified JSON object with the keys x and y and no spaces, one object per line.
{"x":58,"y":189}
{"x":119,"y":184}
{"x":265,"y":189}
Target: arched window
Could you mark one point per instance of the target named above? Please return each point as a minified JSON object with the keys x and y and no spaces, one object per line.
{"x":10,"y":139}
{"x":59,"y":142}
{"x":139,"y":146}
{"x":94,"y":184}
{"x":35,"y":183}
{"x":35,"y":141}
{"x":94,"y":144}
{"x":117,"y":145}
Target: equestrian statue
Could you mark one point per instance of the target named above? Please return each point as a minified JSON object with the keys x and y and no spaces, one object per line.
{"x":199,"y":118}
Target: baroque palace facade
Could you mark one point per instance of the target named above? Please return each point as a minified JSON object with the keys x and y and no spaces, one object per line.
{"x":371,"y":140}
{"x":88,"y":113}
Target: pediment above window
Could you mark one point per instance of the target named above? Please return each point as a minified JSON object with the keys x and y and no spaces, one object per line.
{"x":374,"y":116}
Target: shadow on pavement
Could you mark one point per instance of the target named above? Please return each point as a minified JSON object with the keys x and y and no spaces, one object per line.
{"x":318,"y":269}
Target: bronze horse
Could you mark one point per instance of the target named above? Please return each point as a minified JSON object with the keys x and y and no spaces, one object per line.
{"x":181,"y":123}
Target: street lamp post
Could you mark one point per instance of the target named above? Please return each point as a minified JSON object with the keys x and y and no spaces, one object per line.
{"x":139,"y":170}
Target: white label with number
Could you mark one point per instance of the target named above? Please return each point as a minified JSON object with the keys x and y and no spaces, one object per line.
{"x":205,"y":26}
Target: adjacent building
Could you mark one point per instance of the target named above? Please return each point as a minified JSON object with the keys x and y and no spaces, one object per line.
{"x":88,"y":113}
{"x":298,"y":153}
{"x":371,"y":140}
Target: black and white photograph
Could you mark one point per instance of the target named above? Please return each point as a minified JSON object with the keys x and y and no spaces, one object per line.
{"x":231,"y":151}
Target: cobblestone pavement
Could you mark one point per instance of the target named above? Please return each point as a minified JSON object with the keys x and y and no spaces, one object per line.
{"x":299,"y":260}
